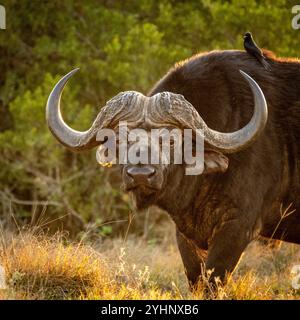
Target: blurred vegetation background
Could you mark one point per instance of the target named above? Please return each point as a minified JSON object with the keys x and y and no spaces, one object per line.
{"x":118,"y":45}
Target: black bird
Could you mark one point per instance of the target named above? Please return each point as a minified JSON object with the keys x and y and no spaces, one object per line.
{"x":252,"y":48}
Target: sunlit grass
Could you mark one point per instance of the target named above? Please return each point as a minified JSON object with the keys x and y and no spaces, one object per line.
{"x":40,"y":267}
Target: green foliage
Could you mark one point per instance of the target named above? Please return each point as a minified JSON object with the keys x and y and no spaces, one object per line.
{"x":119,"y":45}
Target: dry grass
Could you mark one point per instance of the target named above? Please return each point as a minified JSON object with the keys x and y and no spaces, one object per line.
{"x":38,"y":267}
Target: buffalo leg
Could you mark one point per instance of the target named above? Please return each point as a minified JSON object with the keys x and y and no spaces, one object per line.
{"x":226,"y":248}
{"x":193,"y":259}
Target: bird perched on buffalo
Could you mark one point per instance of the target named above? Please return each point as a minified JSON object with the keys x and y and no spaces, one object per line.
{"x":252,"y":48}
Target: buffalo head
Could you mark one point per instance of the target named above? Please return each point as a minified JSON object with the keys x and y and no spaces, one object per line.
{"x":165,"y":110}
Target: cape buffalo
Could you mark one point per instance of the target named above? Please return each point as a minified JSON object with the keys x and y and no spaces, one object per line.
{"x":251,"y":154}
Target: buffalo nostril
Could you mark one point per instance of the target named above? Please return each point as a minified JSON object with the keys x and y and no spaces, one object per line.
{"x":152,"y":173}
{"x":141,"y":174}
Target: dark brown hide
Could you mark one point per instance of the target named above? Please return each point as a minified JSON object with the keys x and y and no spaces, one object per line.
{"x":218,"y":214}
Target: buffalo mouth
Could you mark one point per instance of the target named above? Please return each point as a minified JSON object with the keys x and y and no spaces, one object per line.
{"x":142,"y":189}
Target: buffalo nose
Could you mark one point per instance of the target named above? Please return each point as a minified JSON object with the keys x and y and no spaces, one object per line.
{"x":141,"y":175}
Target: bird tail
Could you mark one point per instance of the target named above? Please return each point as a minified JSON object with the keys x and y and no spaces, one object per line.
{"x":266,"y":64}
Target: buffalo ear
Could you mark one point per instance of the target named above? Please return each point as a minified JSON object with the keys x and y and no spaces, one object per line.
{"x":214,"y":161}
